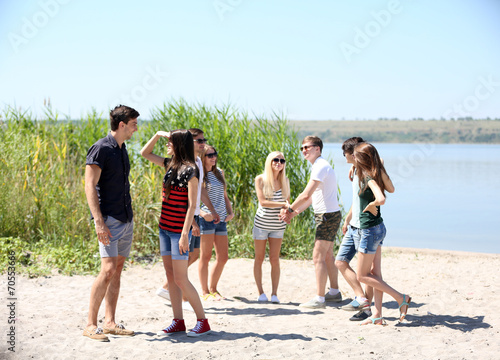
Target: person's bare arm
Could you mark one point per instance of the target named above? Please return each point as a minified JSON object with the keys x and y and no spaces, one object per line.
{"x":147,"y":150}
{"x":92,"y":175}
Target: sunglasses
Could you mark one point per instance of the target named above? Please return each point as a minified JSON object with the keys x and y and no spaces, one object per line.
{"x":278,"y":160}
{"x":306,"y":147}
{"x":211,"y":155}
{"x":201,"y":141}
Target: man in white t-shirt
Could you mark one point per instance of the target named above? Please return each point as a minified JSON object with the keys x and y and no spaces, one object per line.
{"x":194,"y":244}
{"x":321,"y":192}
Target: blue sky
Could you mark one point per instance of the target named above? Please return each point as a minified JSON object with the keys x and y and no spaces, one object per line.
{"x":315,"y":60}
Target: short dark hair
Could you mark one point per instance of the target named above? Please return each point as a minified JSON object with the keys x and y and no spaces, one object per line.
{"x":195,"y":131}
{"x":315,"y":140}
{"x":349,"y":145}
{"x":121,"y":113}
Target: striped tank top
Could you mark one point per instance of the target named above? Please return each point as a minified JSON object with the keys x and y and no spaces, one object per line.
{"x":268,"y":218}
{"x":215,"y":191}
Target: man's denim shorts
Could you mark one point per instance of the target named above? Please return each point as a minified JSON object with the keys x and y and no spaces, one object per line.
{"x":261,"y":234}
{"x":371,"y":239}
{"x":208,"y":227}
{"x":120,"y":242}
{"x":350,"y":244}
{"x":169,"y":245}
{"x":194,"y":243}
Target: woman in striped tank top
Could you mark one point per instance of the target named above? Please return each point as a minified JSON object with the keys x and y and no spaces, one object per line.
{"x":273,"y":192}
{"x":213,"y":235}
{"x":180,"y":190}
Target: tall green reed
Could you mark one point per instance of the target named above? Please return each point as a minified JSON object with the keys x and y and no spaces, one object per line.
{"x":43,"y":208}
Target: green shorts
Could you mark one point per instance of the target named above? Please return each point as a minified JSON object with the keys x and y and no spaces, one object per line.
{"x":327,"y":225}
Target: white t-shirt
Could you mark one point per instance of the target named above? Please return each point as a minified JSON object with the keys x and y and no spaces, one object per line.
{"x":324,"y":198}
{"x":200,"y":183}
{"x":355,"y":202}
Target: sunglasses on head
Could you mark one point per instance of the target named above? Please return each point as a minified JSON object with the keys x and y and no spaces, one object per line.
{"x":201,"y":141}
{"x":306,"y":147}
{"x":278,"y":160}
{"x":211,"y":155}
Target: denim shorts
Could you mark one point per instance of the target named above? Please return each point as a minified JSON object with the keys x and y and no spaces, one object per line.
{"x":371,"y":239}
{"x":169,"y":245}
{"x":350,"y":244}
{"x":208,"y":227}
{"x":120,"y":242}
{"x":194,"y":242}
{"x":261,"y":234}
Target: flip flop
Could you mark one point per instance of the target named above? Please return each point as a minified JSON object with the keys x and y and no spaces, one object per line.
{"x":373,"y":321}
{"x":218,"y":296}
{"x":207,"y":297}
{"x":404,"y":303}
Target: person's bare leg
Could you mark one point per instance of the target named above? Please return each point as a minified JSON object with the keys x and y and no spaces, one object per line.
{"x":111,"y":298}
{"x":274,"y":259}
{"x":350,"y":276}
{"x":99,"y":288}
{"x":185,"y":287}
{"x":319,"y":255}
{"x":206,"y":245}
{"x":175,"y":291}
{"x":333,"y":272}
{"x":221,"y":246}
{"x":193,"y":256}
{"x":260,"y":254}
{"x":366,"y":277}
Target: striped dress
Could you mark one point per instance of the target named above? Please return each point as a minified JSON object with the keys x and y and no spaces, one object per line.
{"x":215,"y":191}
{"x":267,"y":218}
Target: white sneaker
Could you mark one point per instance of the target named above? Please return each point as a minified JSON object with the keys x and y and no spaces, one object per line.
{"x":263,"y":298}
{"x":187,"y":306}
{"x":313,"y":304}
{"x":274,"y":299}
{"x":163,"y":293}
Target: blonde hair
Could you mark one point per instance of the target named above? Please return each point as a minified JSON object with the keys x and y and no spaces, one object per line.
{"x":268,"y":178}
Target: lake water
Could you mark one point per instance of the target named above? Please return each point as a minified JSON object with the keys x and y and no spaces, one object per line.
{"x":447,"y":195}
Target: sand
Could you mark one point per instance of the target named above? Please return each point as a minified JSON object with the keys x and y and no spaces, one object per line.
{"x":454,"y":314}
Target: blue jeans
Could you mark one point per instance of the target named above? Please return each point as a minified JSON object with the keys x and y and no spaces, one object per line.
{"x":169,"y":245}
{"x":208,"y":227}
{"x":349,"y":246}
{"x":371,"y":239}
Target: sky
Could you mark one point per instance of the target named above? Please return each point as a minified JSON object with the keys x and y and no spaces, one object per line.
{"x":307,"y":60}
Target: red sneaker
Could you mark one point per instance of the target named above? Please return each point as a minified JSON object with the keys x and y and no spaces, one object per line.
{"x":201,"y":328}
{"x":176,"y":327}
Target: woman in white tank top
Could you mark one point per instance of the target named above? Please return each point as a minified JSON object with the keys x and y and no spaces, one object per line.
{"x":273,"y":192}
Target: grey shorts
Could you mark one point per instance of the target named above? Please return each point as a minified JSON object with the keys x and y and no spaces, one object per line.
{"x":121,"y":241}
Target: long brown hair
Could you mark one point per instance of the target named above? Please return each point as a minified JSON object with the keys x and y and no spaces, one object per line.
{"x":213,"y":169}
{"x":368,"y":164}
{"x":183,"y":146}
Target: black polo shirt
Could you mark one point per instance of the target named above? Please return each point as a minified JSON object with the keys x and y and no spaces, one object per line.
{"x":113,"y":187}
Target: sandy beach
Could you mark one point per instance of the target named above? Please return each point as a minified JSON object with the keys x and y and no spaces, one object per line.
{"x":453,"y":314}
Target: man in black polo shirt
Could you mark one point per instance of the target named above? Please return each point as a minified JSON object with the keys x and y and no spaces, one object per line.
{"x":108,"y":194}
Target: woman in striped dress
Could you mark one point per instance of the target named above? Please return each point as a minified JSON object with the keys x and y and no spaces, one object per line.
{"x":273,"y":192}
{"x":213,"y":235}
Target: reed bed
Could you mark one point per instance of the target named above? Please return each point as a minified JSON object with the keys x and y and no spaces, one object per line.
{"x":44,"y":217}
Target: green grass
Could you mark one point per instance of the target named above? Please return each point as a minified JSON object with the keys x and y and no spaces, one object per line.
{"x":44,"y":217}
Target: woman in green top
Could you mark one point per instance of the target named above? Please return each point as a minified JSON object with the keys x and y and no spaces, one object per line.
{"x":373,"y":182}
